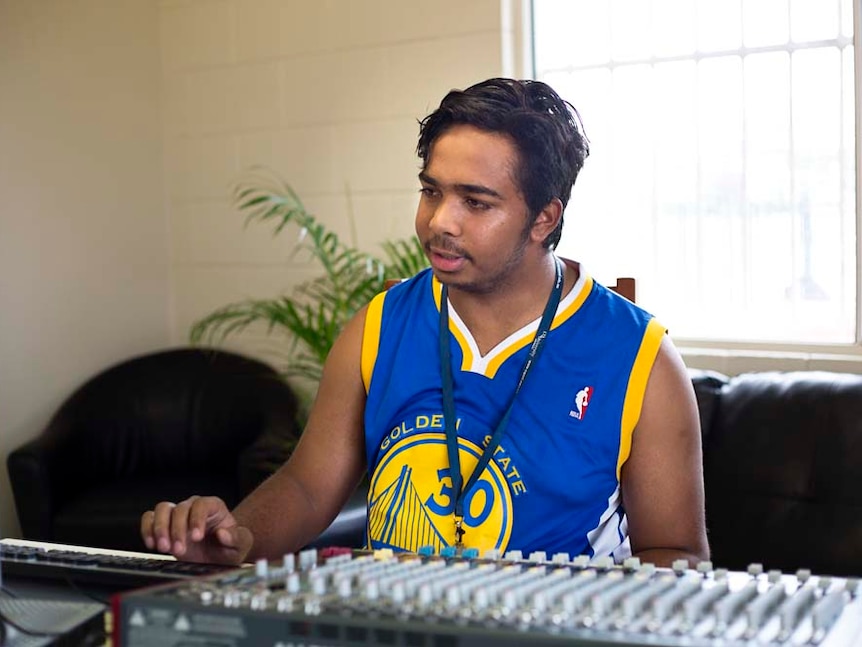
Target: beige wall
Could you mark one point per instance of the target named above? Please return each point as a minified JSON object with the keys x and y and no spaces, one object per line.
{"x":325,"y":92}
{"x":83,"y":237}
{"x":123,"y":124}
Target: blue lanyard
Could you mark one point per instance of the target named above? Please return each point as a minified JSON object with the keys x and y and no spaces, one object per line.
{"x":449,"y":396}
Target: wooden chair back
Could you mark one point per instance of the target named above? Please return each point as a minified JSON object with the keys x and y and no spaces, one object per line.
{"x":625,"y":287}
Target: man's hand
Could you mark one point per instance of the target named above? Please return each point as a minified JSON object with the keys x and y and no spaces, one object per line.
{"x":199,"y":529}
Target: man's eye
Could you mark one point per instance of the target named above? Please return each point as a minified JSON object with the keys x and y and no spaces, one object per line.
{"x":473,"y":203}
{"x":427,"y":192}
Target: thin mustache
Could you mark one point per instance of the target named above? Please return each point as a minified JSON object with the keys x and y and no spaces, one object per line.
{"x":444,"y":245}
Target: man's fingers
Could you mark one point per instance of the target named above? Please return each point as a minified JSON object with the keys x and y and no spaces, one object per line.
{"x":162,"y":523}
{"x":206,"y":514}
{"x":199,"y":529}
{"x":244,"y":540}
{"x":235,"y":541}
{"x":147,"y":529}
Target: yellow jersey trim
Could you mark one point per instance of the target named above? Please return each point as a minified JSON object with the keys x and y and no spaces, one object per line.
{"x":466,"y":352}
{"x":371,"y":338}
{"x":636,"y":389}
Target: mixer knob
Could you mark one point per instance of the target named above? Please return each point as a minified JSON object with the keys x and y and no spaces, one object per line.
{"x":372,"y":589}
{"x":426,"y":551}
{"x":481,"y":598}
{"x":344,"y":589}
{"x":288,"y":563}
{"x":453,"y":597}
{"x":308,"y":559}
{"x":679,"y":565}
{"x":284,"y":604}
{"x":581,"y":561}
{"x":538,"y":556}
{"x":632,"y":563}
{"x":492,"y":554}
{"x":560,"y":558}
{"x":292,"y":584}
{"x":704,"y":566}
{"x":605,"y":562}
{"x":513,"y":556}
{"x":540,"y":601}
{"x":448,"y":551}
{"x":399,"y":593}
{"x":470,"y":553}
{"x":261,"y":568}
{"x":773,"y":576}
{"x":318,"y":585}
{"x":755,"y":569}
{"x":259,"y":600}
{"x":425,"y":595}
{"x":803,"y":575}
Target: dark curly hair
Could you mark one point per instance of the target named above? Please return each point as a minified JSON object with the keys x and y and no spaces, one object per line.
{"x":546,"y":130}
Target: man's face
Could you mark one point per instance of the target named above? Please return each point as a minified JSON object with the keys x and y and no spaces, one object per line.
{"x":472,"y":218}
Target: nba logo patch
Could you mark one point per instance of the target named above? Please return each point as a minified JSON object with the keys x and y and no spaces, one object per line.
{"x":582,"y":401}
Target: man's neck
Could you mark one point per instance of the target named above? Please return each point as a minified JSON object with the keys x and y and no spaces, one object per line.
{"x":492,"y":316}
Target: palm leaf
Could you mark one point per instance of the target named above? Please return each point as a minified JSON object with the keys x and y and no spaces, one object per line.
{"x":316,"y":311}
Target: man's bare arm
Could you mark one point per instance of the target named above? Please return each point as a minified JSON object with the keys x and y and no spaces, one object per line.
{"x":301,"y":498}
{"x":662,"y":481}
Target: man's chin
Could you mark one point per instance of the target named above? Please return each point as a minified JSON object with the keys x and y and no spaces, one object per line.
{"x":458,"y":282}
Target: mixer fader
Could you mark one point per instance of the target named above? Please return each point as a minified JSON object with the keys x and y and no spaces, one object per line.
{"x":339,"y":598}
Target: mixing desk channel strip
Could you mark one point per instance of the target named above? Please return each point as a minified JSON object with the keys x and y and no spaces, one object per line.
{"x":449,"y":600}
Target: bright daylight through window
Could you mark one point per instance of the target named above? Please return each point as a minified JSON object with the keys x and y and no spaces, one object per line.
{"x":722,"y":171}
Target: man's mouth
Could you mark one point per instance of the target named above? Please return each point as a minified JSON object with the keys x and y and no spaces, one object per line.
{"x":445,"y":260}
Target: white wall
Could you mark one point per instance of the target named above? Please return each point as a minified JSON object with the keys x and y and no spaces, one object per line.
{"x":83,"y":237}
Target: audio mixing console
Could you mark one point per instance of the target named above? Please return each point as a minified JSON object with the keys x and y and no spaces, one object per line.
{"x":341,"y":598}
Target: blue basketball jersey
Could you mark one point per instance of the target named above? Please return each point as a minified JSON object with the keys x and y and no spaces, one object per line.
{"x":553,"y":483}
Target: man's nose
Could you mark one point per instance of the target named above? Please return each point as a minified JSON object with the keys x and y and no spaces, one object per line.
{"x":446,"y":217}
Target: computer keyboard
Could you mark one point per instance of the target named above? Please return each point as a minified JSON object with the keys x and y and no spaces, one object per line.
{"x":31,"y":622}
{"x":117,"y":570}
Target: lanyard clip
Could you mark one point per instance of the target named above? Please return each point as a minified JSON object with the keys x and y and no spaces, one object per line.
{"x":459,"y":532}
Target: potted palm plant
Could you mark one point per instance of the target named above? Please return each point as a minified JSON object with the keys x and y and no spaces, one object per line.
{"x":316,"y":310}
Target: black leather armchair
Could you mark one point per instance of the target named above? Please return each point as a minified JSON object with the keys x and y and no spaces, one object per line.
{"x":782,"y":460}
{"x":162,"y":426}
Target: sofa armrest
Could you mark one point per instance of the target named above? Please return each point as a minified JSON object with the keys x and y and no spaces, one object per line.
{"x":29,"y":475}
{"x":348,"y":528}
{"x":707,"y":389}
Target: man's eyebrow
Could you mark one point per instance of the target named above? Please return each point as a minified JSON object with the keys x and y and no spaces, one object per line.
{"x":462,"y":188}
{"x":427,"y":179}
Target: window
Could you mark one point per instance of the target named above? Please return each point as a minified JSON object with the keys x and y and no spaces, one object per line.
{"x":722,"y":172}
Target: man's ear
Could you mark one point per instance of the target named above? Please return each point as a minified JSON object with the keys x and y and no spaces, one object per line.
{"x":547,"y":220}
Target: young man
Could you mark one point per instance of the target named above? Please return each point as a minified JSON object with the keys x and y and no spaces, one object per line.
{"x":501,"y":399}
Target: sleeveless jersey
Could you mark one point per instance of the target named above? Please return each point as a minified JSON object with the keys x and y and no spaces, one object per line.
{"x":553,"y":483}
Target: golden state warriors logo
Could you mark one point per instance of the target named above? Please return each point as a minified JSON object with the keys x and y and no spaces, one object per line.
{"x":412,"y":503}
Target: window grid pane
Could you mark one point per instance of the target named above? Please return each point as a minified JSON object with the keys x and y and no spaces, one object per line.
{"x":727,"y":157}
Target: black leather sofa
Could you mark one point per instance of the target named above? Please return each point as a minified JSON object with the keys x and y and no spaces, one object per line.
{"x":782,"y":457}
{"x":160,"y":426}
{"x":782,"y":471}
